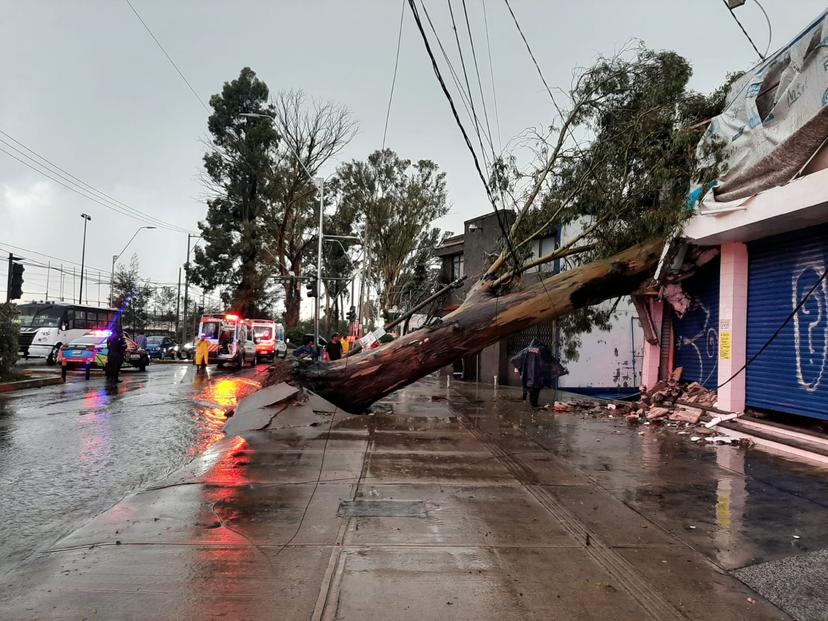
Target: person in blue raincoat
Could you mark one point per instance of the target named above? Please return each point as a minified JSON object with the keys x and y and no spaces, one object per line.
{"x":538,"y":369}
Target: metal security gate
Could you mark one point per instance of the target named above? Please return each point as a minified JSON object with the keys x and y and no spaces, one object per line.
{"x":791,"y":375}
{"x":697,"y":332}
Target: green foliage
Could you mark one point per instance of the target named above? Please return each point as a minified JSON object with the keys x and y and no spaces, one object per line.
{"x":238,"y":174}
{"x":164,"y":302}
{"x":8,"y":339}
{"x":618,"y":167}
{"x":395,"y":201}
{"x":634,"y":172}
{"x":132,"y":296}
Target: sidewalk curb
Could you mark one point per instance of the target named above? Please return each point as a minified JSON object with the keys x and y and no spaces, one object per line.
{"x":29,"y":383}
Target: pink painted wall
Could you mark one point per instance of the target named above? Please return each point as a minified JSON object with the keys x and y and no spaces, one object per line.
{"x":733,"y":291}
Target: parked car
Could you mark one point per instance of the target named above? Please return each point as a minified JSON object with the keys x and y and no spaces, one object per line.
{"x":162,"y":347}
{"x":186,"y":351}
{"x":90,"y":351}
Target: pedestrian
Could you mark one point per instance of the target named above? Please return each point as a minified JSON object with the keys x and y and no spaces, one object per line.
{"x":202,"y":353}
{"x":308,"y":352}
{"x":537,"y":368}
{"x":141,"y":341}
{"x":334,"y":348}
{"x":116,"y":347}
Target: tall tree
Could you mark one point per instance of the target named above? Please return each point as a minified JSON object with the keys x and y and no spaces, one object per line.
{"x":131,"y":296}
{"x":164,"y":302}
{"x":312,"y":133}
{"x":238,"y":174}
{"x":626,"y":187}
{"x":395,"y":202}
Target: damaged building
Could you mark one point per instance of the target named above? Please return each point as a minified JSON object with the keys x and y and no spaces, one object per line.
{"x":747,"y":313}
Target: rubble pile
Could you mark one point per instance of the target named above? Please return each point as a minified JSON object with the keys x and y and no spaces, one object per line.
{"x":675,"y":401}
{"x":687,"y":409}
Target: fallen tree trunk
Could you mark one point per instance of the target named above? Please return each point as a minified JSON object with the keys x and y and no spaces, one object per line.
{"x":483,"y":319}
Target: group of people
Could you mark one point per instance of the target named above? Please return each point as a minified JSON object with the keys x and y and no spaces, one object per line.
{"x":334,"y":350}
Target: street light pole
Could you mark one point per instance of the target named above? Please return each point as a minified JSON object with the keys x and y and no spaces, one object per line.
{"x":320,"y":184}
{"x":187,"y":285}
{"x":115,"y":258}
{"x":86,"y":219}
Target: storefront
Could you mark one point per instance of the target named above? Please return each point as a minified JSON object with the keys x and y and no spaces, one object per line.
{"x":790,"y":374}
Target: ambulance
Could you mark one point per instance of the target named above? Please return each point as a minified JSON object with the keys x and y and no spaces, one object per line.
{"x":231,"y":339}
{"x":269,"y":338}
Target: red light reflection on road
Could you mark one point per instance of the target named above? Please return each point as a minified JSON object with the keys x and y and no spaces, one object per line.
{"x":213,"y":401}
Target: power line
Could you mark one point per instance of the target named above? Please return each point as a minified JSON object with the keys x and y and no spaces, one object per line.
{"x":466,"y":138}
{"x":479,"y":82}
{"x":394,"y":79}
{"x":491,"y":77}
{"x":770,"y":26}
{"x":468,"y":86}
{"x":79,"y":186}
{"x":742,"y":28}
{"x":169,"y":58}
{"x":463,"y":98}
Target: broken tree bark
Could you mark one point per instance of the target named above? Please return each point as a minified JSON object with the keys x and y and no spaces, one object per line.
{"x":483,"y":319}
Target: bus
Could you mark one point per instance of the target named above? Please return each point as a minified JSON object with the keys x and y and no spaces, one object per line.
{"x":45,"y":326}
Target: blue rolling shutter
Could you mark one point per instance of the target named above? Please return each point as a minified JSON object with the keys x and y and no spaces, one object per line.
{"x":791,"y":375}
{"x":697,"y":333}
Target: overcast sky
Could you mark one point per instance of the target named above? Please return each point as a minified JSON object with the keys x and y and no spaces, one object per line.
{"x":84,"y":85}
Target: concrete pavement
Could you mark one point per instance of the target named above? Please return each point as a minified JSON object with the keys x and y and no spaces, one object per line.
{"x":449,"y":508}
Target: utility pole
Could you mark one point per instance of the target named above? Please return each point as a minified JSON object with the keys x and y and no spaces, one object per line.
{"x":178,"y":305}
{"x":320,"y":184}
{"x":86,"y":219}
{"x":48,"y":273}
{"x":9,"y":278}
{"x":61,"y":282}
{"x":187,"y":284}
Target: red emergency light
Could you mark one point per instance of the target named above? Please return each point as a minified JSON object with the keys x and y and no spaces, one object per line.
{"x":231,"y":317}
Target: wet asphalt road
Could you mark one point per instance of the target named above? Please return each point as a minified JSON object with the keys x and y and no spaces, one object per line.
{"x":71,"y":451}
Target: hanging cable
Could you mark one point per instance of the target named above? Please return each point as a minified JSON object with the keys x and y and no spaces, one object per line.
{"x":394,"y":79}
{"x":479,"y":82}
{"x":778,"y":330}
{"x":79,"y":185}
{"x":742,"y":28}
{"x":477,"y":124}
{"x":169,"y":58}
{"x":463,"y":98}
{"x":491,"y":78}
{"x":770,"y":26}
{"x":466,"y":138}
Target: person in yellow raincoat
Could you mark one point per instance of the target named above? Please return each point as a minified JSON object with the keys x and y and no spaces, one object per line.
{"x":202,"y":352}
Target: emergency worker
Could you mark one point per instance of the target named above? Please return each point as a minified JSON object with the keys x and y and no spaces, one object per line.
{"x":202,"y":352}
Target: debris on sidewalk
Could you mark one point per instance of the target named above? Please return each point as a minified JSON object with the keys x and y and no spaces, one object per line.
{"x":685,"y":409}
{"x":720,"y":419}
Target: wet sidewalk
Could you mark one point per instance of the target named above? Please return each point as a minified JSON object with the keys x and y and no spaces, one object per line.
{"x":460,"y":504}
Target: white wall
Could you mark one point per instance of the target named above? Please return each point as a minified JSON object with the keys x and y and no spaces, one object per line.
{"x":607,"y":359}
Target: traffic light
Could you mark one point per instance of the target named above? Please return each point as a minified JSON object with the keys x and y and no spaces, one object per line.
{"x":313,"y":289}
{"x":16,"y":281}
{"x":352,"y":315}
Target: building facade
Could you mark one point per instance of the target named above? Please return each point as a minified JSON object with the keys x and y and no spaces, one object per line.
{"x":756,"y":329}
